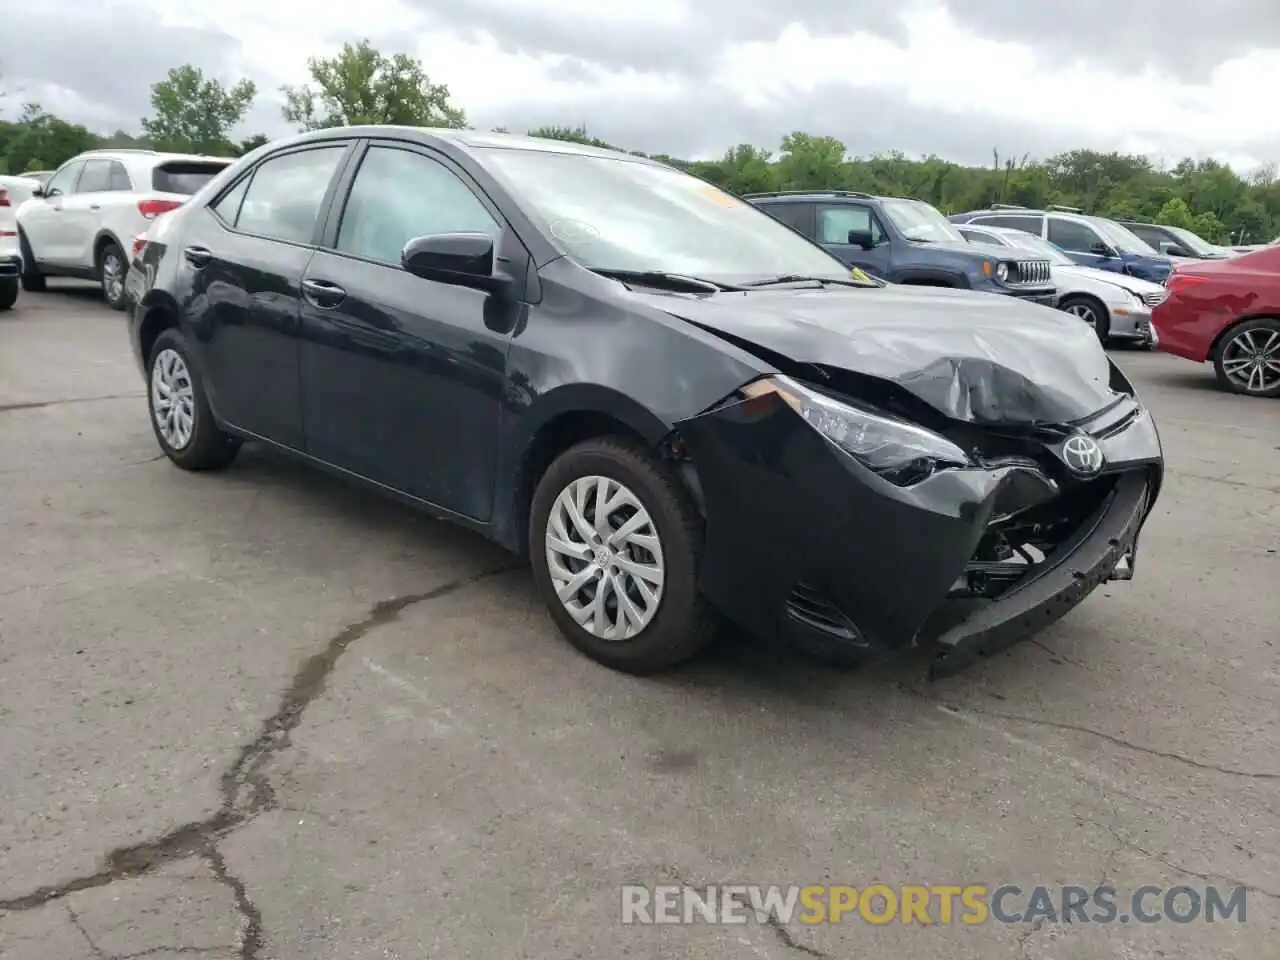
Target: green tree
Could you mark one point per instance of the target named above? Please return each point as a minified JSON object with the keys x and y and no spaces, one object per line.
{"x":572,"y":135}
{"x":1176,"y":213}
{"x":41,"y":141}
{"x":250,"y":144}
{"x":809,"y":163}
{"x":361,"y":85}
{"x":194,"y":114}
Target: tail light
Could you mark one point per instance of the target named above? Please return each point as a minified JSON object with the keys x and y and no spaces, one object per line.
{"x":1179,"y":282}
{"x":152,"y":207}
{"x":4,"y":197}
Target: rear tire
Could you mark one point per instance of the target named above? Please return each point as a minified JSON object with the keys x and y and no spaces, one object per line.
{"x":642,"y":633}
{"x":112,"y":270}
{"x":9,"y":293}
{"x":179,"y":410}
{"x":1234,"y":356}
{"x":32,"y":279}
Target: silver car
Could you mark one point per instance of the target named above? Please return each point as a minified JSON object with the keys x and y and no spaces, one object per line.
{"x":1117,"y":306}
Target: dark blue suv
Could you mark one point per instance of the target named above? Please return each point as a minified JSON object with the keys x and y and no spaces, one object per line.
{"x":907,"y":241}
{"x":1089,"y":241}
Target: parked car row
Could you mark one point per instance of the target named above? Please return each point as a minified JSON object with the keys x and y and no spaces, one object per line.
{"x":80,"y":220}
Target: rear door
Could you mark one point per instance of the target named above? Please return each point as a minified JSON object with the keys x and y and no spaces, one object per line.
{"x":244,"y":257}
{"x":836,"y":221}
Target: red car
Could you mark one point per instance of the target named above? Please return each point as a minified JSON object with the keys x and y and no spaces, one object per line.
{"x":1227,"y":311}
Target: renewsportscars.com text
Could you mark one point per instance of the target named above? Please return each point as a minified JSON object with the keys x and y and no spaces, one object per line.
{"x":930,"y":904}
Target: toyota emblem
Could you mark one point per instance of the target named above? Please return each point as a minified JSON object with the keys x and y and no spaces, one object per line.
{"x":1083,"y":455}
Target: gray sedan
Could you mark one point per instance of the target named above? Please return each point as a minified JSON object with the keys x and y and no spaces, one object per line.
{"x":1118,"y":307}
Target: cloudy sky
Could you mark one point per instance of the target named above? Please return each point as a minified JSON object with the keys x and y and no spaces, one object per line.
{"x":692,"y":77}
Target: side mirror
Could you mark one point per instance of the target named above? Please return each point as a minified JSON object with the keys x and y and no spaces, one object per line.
{"x":1102,"y":250}
{"x":37,"y":191}
{"x":860,"y":238}
{"x":461,"y":259}
{"x":1173,"y":250}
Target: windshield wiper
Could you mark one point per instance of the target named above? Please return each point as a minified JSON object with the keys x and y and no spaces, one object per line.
{"x":804,"y":278}
{"x":672,"y":281}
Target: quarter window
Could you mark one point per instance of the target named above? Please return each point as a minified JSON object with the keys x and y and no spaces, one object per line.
{"x":797,"y":216}
{"x":285,"y":194}
{"x":398,"y":195}
{"x":228,"y":208}
{"x":1071,"y":235}
{"x":120,"y":177}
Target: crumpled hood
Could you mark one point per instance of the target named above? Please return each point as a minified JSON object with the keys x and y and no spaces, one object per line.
{"x":977,"y":357}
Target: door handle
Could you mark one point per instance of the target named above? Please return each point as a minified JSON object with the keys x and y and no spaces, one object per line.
{"x":95,"y":206}
{"x":322,"y":293}
{"x":198,"y":256}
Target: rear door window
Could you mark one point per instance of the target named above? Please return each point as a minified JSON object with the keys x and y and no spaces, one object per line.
{"x":286,"y":192}
{"x":835,"y":223}
{"x":185,"y":177}
{"x":120,"y":178}
{"x":797,"y":216}
{"x":95,"y":178}
{"x":1025,"y":224}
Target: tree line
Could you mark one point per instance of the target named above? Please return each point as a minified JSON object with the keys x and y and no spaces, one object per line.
{"x":192,"y":113}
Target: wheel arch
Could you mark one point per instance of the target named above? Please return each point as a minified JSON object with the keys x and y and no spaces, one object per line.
{"x":159,"y":312}
{"x":557,"y":421}
{"x":1225,"y":332}
{"x":106,"y":236}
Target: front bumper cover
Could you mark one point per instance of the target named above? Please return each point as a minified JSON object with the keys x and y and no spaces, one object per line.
{"x":789,"y":515}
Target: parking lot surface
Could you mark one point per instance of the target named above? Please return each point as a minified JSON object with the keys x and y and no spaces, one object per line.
{"x":261,"y":714}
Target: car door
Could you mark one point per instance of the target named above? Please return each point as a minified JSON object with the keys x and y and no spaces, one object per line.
{"x":81,"y":212}
{"x":835,"y":222}
{"x":41,"y":221}
{"x":1080,"y":242}
{"x":402,"y":377}
{"x":244,"y":257}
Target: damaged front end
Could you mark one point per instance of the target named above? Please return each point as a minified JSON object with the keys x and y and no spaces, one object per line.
{"x":849,"y":528}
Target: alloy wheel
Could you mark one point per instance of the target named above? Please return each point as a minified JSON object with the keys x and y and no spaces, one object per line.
{"x":1085,"y":313}
{"x":605,"y":558}
{"x":1251,"y":360}
{"x":172,"y":399}
{"x":113,"y":271}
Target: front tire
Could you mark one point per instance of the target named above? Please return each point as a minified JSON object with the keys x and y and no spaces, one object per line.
{"x":614,"y":542}
{"x":9,"y":293}
{"x":1092,"y":312}
{"x":1247,"y":360}
{"x":32,"y":279}
{"x":112,"y":269}
{"x":180,"y":415}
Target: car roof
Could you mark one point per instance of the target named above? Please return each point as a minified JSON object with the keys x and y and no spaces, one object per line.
{"x":802,"y":196}
{"x":466,"y":141}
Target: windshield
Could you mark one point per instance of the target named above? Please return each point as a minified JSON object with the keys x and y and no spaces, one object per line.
{"x":1041,"y":248}
{"x":1123,"y":239}
{"x":1191,"y":241}
{"x":618,"y":214}
{"x":919,"y":221}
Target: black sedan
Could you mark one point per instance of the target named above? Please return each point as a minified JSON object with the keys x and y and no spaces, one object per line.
{"x":681,"y":410}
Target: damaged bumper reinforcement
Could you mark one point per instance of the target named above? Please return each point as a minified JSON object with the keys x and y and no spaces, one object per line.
{"x":806,"y":544}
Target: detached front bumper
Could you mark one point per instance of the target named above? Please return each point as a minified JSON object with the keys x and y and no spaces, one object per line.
{"x":806,"y":545}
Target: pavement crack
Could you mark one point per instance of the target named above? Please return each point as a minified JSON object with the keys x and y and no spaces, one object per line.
{"x":245,"y":789}
{"x":152,"y":951}
{"x":787,"y":940}
{"x":39,"y":404}
{"x":75,"y":922}
{"x":251,"y":939}
{"x":1213,"y":878}
{"x":1089,"y":731}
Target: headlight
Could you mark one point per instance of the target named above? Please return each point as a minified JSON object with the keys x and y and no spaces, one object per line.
{"x":1002,"y":272}
{"x":901,"y":452}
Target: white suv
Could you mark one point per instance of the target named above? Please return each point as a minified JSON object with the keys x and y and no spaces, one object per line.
{"x":82,"y":221}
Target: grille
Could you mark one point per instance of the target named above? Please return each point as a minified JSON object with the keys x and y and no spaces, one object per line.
{"x":1154,"y":299}
{"x":1031,"y":271}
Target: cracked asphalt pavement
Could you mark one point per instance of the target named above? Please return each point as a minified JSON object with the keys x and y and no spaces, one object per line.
{"x":260,"y":715}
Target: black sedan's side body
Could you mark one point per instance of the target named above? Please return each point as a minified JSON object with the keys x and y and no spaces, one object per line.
{"x":814,"y":457}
